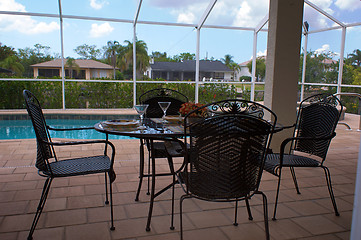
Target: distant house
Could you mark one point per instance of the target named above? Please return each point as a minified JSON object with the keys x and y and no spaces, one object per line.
{"x":243,"y":71}
{"x":88,"y":69}
{"x":186,"y":70}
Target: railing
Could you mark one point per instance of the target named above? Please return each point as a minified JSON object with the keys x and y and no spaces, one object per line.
{"x":359,"y":112}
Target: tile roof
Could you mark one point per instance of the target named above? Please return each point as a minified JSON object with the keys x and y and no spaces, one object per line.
{"x":190,"y":66}
{"x":83,"y":63}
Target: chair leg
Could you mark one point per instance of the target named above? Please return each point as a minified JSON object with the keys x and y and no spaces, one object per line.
{"x":250,"y":217}
{"x":172,"y":219}
{"x":148,"y":180}
{"x":171,"y":168}
{"x":39,"y":210}
{"x":235,"y":223}
{"x":329,"y":186}
{"x":111,"y":204}
{"x":106,"y":189}
{"x":277,"y":194}
{"x":152,"y":191}
{"x":181,"y":214}
{"x":141,"y":169}
{"x":293,"y":173}
{"x":265,"y":214}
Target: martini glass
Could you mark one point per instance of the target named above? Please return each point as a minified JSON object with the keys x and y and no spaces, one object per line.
{"x":164,"y":106}
{"x":141,"y":109}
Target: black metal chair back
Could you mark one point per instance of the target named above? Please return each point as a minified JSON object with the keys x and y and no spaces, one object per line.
{"x":317,"y":117}
{"x":49,"y":166}
{"x":227,"y":149}
{"x":314,"y":129}
{"x":44,"y":151}
{"x":154,"y":96}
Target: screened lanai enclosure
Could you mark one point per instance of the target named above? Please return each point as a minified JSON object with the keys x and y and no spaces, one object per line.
{"x":202,"y":29}
{"x":284,"y":28}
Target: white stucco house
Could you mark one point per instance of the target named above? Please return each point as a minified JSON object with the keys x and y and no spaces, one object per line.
{"x":88,"y":69}
{"x":186,"y":70}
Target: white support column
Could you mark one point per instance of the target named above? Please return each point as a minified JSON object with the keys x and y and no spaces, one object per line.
{"x":304,"y":65}
{"x":342,"y":53}
{"x":62,"y":54}
{"x":283,"y":58}
{"x":197,"y":66}
{"x":253,"y":81}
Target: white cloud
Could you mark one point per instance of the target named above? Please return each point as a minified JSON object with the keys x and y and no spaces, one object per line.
{"x":350,"y":5}
{"x":324,"y":5}
{"x":11,"y":5}
{"x":246,"y":13}
{"x":173,"y":4}
{"x":22,"y":24}
{"x":100,"y":30}
{"x":250,"y":13}
{"x":315,"y":19}
{"x":261,"y":54}
{"x":98,"y":4}
{"x":186,"y":17}
{"x":189,"y":13}
{"x":324,"y":49}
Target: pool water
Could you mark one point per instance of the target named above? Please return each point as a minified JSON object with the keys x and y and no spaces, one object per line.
{"x":23,"y":129}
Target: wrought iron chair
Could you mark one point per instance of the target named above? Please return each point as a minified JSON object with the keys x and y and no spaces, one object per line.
{"x":227,"y":147}
{"x":51,"y":167}
{"x":313,"y":131}
{"x":152,"y":98}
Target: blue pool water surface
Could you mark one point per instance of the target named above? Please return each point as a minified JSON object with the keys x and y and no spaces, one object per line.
{"x":23,"y":129}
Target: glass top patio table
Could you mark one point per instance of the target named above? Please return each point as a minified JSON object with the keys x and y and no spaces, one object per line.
{"x":154,"y":129}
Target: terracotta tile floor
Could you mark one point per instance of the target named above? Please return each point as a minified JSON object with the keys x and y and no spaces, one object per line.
{"x":75,"y":207}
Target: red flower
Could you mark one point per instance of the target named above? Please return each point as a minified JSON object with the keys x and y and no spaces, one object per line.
{"x":189,"y":106}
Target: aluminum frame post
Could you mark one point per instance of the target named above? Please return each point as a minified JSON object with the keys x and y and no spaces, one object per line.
{"x":62,"y":54}
{"x":253,"y":81}
{"x":304,"y":65}
{"x":342,"y":53}
{"x":196,"y":97}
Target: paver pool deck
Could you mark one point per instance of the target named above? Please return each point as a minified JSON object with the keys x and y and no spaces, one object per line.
{"x":75,"y":206}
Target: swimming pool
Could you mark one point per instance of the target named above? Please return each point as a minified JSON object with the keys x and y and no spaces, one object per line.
{"x":23,"y":129}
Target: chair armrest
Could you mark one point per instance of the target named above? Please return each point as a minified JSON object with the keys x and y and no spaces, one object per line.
{"x":69,"y":129}
{"x":86,"y":142}
{"x":287,"y":140}
{"x":291,"y":126}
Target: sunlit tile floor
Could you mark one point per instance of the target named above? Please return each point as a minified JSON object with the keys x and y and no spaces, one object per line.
{"x":75,"y":207}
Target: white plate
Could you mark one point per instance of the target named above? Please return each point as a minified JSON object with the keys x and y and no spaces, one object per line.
{"x":121,"y":122}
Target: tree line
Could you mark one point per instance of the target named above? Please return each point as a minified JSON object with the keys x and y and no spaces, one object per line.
{"x":320,"y":67}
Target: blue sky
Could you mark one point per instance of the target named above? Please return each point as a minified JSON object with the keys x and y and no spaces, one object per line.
{"x":25,"y":31}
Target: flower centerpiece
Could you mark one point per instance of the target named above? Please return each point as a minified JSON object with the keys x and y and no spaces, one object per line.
{"x":189,"y":107}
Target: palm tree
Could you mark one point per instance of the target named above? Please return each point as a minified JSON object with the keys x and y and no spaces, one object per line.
{"x":141,"y":55}
{"x":12,"y":63}
{"x":72,"y":65}
{"x":260,"y":68}
{"x":227,"y":60}
{"x":111,"y":51}
{"x":235,"y":67}
{"x":355,"y":57}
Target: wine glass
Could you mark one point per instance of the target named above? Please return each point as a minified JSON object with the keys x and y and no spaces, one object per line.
{"x":164,"y":106}
{"x":141,"y":109}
